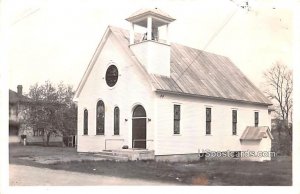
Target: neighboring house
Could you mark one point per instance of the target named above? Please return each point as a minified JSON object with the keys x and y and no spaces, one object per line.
{"x":19,"y":106}
{"x":146,"y":93}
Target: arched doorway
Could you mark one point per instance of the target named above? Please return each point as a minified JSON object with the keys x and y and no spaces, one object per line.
{"x":139,"y":127}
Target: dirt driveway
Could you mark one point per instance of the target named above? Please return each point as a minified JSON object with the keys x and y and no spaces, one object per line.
{"x":20,"y":176}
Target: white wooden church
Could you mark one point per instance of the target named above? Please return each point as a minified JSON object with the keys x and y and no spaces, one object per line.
{"x":142,"y":92}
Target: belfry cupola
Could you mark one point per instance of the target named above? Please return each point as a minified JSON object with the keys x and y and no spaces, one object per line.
{"x":150,"y":48}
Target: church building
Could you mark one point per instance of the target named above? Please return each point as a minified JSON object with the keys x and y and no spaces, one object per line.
{"x":142,"y":92}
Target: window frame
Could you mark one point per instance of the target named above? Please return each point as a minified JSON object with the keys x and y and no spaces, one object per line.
{"x":234,"y":122}
{"x":256,"y":119}
{"x":85,"y":122}
{"x":110,"y":79}
{"x":98,"y":114}
{"x":117,"y":121}
{"x":208,"y":120}
{"x":176,"y":119}
{"x":35,"y":132}
{"x":39,"y":132}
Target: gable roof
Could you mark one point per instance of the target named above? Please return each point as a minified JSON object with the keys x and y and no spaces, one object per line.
{"x":118,"y":33}
{"x":14,"y":97}
{"x":155,"y":12}
{"x":210,"y":75}
{"x":256,"y":133}
{"x":205,"y":74}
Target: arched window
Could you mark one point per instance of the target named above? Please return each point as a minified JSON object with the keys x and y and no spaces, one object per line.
{"x":100,"y":118}
{"x":139,"y":111}
{"x":85,"y":122}
{"x":116,"y":121}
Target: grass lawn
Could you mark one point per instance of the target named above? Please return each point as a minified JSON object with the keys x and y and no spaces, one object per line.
{"x":235,"y":172}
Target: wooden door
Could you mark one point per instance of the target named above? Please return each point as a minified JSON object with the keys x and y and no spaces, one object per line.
{"x":139,"y":127}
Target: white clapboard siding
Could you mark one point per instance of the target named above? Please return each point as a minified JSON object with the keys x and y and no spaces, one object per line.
{"x":134,"y":88}
{"x":193,"y":124}
{"x":131,"y":89}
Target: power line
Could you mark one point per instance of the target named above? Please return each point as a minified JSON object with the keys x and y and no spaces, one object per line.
{"x":25,"y":16}
{"x":209,"y":41}
{"x":219,"y":30}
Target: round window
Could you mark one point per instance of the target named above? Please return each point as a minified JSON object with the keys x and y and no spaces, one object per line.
{"x":111,"y":76}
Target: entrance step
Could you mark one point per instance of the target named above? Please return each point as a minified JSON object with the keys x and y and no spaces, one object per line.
{"x":107,"y":156}
{"x":111,"y":156}
{"x":134,"y":154}
{"x":125,"y":154}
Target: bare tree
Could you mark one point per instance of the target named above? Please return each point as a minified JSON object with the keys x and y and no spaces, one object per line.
{"x":279,"y":88}
{"x":280,"y":81}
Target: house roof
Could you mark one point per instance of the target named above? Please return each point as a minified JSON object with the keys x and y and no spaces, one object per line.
{"x":14,"y":97}
{"x":205,"y":75}
{"x":256,"y":133}
{"x":193,"y":73}
{"x":155,"y":12}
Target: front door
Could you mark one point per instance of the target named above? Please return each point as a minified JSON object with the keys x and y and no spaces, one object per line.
{"x":139,"y":127}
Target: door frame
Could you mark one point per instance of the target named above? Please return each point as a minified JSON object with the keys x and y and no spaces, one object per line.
{"x":133,"y":118}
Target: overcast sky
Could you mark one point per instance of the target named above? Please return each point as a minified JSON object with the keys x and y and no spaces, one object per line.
{"x":55,"y":39}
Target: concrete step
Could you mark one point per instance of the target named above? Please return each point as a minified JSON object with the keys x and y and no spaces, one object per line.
{"x":114,"y":153}
{"x":111,"y":156}
{"x":125,"y":155}
{"x":107,"y":156}
{"x":136,"y":154}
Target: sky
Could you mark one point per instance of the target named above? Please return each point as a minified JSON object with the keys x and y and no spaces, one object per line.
{"x":55,"y":40}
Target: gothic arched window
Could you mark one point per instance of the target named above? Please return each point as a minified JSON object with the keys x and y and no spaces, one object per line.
{"x":100,"y":116}
{"x":85,"y":122}
{"x":116,"y":121}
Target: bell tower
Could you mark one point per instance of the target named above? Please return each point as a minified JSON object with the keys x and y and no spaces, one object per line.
{"x":150,"y":49}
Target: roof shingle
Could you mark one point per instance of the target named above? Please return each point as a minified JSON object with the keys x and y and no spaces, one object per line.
{"x":154,"y":11}
{"x":200,"y":73}
{"x":256,"y":133}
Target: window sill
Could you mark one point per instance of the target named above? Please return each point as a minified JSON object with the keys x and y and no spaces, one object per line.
{"x":99,"y":135}
{"x":116,"y":135}
{"x":176,"y":134}
{"x":85,"y":135}
{"x":208,"y":134}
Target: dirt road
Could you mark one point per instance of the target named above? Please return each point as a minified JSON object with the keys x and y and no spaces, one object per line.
{"x":32,"y":176}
